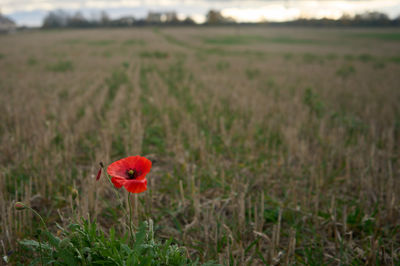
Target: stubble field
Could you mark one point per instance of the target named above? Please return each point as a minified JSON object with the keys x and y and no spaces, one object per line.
{"x":269,"y":145}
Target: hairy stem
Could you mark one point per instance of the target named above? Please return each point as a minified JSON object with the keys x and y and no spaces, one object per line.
{"x":130,"y":215}
{"x":45,"y":226}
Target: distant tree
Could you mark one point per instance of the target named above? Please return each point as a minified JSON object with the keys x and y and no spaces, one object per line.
{"x":346,"y":19}
{"x":104,"y":18}
{"x":396,"y":21}
{"x":56,"y":19}
{"x":372,"y":16}
{"x":346,"y":16}
{"x":372,"y":19}
{"x":188,"y":21}
{"x":171,"y":18}
{"x":365,"y":19}
{"x":214,"y":17}
{"x":78,"y":21}
{"x":123,"y":22}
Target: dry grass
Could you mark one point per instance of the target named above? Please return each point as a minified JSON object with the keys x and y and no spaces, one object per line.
{"x":282,"y":149}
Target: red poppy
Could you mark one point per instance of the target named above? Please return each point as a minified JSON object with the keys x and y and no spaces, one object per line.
{"x":130,"y":172}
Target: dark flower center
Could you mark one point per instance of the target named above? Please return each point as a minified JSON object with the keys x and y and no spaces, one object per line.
{"x":132,"y":173}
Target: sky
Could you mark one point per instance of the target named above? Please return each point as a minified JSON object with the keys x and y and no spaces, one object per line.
{"x":32,"y":12}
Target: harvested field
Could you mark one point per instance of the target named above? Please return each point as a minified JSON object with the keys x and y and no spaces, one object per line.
{"x":270,"y":145}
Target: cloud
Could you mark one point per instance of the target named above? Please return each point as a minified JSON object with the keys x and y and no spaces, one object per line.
{"x":11,"y":6}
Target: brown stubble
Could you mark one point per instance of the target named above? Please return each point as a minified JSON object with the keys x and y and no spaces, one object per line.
{"x":217,"y":202}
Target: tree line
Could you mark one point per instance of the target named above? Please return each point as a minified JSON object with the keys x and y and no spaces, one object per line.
{"x":63,"y":19}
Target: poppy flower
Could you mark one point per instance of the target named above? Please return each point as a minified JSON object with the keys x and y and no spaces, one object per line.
{"x":130,"y":172}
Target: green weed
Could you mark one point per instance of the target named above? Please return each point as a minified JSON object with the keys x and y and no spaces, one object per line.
{"x":58,"y":141}
{"x":379,"y":64}
{"x":365,"y":58}
{"x":288,"y":56}
{"x":63,"y":95}
{"x":101,"y":42}
{"x":153,"y":54}
{"x":85,"y":244}
{"x":154,"y":139}
{"x":310,"y":58}
{"x":383,"y":36}
{"x":313,"y":102}
{"x":31,"y":61}
{"x":349,"y":57}
{"x":251,"y":39}
{"x":61,"y":66}
{"x":222,"y":65}
{"x":395,"y":59}
{"x":134,"y":42}
{"x":234,"y":40}
{"x":107,"y":54}
{"x":125,"y":65}
{"x":114,"y":82}
{"x":118,"y":147}
{"x":252,"y":73}
{"x":331,"y":56}
{"x":72,"y":41}
{"x":346,"y":71}
{"x":353,"y":125}
{"x":80,"y":113}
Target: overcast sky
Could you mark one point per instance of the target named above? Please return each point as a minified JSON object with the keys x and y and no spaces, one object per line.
{"x":31,"y":12}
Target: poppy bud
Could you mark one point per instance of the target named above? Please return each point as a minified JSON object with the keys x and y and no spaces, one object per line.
{"x":19,"y":206}
{"x":98,"y":174}
{"x":101,"y":164}
{"x":74,"y":193}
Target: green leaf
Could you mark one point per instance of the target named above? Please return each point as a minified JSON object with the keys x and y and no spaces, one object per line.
{"x":53,"y":240}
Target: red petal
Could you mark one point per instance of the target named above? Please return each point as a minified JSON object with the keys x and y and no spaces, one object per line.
{"x":98,"y":175}
{"x":143,"y":166}
{"x":136,"y":186}
{"x":119,"y":168}
{"x":118,"y":182}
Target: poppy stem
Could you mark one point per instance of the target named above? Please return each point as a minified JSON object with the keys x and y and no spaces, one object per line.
{"x":115,"y":190}
{"x":40,"y":232}
{"x":130,"y":215}
{"x":40,"y":217}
